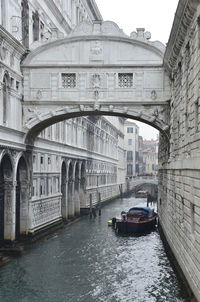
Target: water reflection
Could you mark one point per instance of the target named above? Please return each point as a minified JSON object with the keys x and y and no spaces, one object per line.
{"x":89,"y":262}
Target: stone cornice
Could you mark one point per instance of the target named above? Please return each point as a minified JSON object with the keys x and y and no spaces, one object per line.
{"x":94,"y":9}
{"x":54,"y":9}
{"x":4,"y":34}
{"x":182,"y":21}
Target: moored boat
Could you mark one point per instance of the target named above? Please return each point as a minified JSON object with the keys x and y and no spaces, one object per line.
{"x":136,"y":220}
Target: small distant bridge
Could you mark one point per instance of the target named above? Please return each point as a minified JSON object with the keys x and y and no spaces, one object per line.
{"x":148,"y":183}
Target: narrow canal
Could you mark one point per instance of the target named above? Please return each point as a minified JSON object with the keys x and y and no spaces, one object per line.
{"x":88,"y":262}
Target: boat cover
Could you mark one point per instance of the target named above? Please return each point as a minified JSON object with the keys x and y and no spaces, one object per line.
{"x":144,"y":211}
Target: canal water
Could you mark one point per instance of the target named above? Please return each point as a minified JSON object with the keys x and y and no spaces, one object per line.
{"x":89,"y":262}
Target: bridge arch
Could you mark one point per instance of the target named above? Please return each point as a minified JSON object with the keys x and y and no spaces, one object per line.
{"x":96,"y":70}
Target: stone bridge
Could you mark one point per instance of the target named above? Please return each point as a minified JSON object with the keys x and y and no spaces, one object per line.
{"x":144,"y":182}
{"x":96,"y":70}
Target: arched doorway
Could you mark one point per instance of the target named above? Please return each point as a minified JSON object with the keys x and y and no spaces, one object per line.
{"x":64,"y":209}
{"x":21,"y":198}
{"x":70,"y":191}
{"x":6,"y":186}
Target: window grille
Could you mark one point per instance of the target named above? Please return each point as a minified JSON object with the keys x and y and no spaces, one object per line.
{"x":68,"y":80}
{"x":125,"y":80}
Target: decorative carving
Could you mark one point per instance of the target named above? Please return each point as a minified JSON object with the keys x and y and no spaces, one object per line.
{"x":173,"y":50}
{"x":96,"y":80}
{"x":45,"y":210}
{"x":3,"y":51}
{"x":140,"y":34}
{"x":153,"y":95}
{"x":96,"y":51}
{"x":39,"y":95}
{"x":96,"y":94}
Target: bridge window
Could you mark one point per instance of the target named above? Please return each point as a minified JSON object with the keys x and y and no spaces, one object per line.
{"x":68,"y":80}
{"x":125,"y":80}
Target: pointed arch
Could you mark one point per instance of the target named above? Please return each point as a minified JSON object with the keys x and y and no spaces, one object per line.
{"x":6,"y":189}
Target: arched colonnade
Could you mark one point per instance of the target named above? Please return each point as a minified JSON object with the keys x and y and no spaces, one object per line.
{"x":73,"y":187}
{"x":16,"y":192}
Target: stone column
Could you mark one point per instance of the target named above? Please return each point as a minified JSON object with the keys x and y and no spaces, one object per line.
{"x":65,"y":200}
{"x":24,"y":201}
{"x":9,"y":210}
{"x":71,"y":197}
{"x":77,"y":196}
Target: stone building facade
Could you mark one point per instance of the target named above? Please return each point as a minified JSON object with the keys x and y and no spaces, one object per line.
{"x":71,"y":160}
{"x":131,"y":143}
{"x":179,"y":169}
{"x":150,"y":156}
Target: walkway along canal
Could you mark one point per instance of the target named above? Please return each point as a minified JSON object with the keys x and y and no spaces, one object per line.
{"x":89,"y":262}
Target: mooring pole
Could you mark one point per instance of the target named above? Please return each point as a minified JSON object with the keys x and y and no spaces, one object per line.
{"x":90,"y":205}
{"x":99,"y":204}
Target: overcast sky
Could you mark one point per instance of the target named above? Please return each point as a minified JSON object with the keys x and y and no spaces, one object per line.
{"x":155,"y":16}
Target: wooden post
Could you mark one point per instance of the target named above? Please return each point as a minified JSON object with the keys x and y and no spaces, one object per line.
{"x":90,"y":205}
{"x":99,"y":204}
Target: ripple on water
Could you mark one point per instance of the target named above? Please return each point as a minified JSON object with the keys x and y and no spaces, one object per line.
{"x":90,"y":263}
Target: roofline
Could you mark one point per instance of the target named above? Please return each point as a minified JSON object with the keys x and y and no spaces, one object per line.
{"x":184,"y":15}
{"x":95,"y":10}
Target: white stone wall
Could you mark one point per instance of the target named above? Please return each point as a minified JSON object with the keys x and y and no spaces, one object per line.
{"x":179,"y":174}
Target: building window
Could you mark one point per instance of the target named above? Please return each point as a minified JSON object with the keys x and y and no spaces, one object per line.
{"x":129,"y":130}
{"x":129,"y":170}
{"x":196,"y":112}
{"x":25,"y":23}
{"x":129,"y":142}
{"x":17,"y":85}
{"x":41,"y":30}
{"x":5,"y":98}
{"x":125,"y":80}
{"x":41,"y":160}
{"x":68,"y":80}
{"x":36,"y":25}
{"x":129,"y":155}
